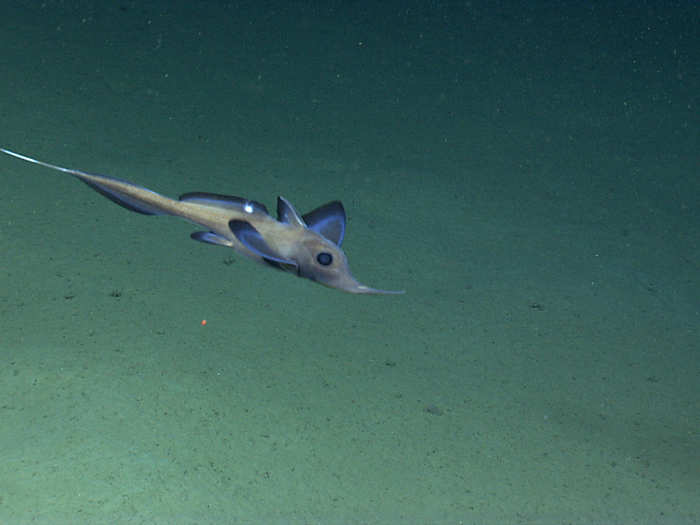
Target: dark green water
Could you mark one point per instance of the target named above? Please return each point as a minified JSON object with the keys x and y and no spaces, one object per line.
{"x":528,"y":172}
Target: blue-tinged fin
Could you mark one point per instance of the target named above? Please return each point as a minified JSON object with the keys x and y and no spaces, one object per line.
{"x":92,"y":180}
{"x":328,"y":220}
{"x":251,"y":239}
{"x":225,"y":201}
{"x":287,"y":214}
{"x":211,"y":238}
{"x":126,"y":201}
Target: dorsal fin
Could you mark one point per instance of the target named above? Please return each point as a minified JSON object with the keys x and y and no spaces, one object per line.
{"x":287,"y":214}
{"x":224,"y":201}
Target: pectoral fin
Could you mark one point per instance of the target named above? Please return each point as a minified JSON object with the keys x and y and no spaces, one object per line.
{"x":251,"y":239}
{"x":211,"y":238}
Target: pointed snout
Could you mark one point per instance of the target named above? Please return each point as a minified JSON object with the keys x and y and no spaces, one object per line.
{"x":361,"y":288}
{"x":350,"y":285}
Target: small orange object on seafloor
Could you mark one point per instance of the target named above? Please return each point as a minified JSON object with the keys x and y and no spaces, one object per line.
{"x":204,"y":322}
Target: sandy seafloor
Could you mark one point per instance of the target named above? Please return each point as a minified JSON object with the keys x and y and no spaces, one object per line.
{"x":527,"y":172}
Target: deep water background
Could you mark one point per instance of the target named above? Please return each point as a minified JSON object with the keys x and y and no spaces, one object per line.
{"x":527,"y":171}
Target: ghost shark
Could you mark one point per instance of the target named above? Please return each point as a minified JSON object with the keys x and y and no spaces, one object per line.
{"x":305,"y":245}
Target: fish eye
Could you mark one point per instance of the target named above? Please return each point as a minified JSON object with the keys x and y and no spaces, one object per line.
{"x":324,"y":258}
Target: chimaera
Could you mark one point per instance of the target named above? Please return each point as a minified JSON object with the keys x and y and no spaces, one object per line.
{"x":308,"y":245}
